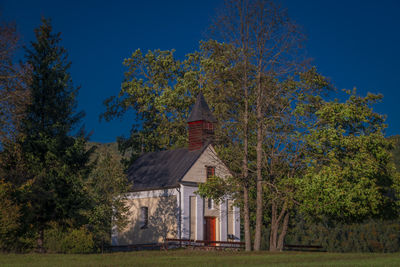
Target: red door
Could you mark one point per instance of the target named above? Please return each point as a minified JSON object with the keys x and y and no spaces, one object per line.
{"x":209,"y":230}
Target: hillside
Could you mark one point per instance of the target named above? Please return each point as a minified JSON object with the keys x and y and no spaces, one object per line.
{"x":112,"y":148}
{"x":103,"y":148}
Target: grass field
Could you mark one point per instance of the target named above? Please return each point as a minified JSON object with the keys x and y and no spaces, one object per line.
{"x":202,"y":258}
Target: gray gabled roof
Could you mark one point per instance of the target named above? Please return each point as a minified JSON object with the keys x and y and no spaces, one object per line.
{"x":201,"y":111}
{"x":164,"y":169}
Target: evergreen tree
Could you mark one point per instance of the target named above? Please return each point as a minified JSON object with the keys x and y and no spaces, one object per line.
{"x":58,"y":161}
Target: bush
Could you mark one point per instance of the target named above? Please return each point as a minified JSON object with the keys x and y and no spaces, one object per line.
{"x":53,"y":239}
{"x":68,"y":241}
{"x":78,"y":241}
{"x":9,"y":218}
{"x":370,"y":236}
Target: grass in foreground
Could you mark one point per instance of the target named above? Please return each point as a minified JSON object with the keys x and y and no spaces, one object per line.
{"x":202,"y":258}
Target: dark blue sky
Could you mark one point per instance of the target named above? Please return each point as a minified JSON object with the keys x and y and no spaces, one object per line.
{"x":355,"y":43}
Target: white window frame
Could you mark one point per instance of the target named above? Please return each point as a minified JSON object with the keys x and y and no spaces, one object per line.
{"x":210,"y":201}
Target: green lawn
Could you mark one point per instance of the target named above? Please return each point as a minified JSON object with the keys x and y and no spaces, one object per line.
{"x":202,"y":258}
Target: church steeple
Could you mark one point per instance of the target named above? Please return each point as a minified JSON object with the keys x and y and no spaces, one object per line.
{"x":201,"y":124}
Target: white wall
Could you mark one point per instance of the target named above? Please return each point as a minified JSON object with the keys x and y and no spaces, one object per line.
{"x":187,"y":192}
{"x":157,"y":201}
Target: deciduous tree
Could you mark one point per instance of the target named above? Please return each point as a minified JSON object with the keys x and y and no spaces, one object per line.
{"x":350,"y":174}
{"x":269,"y":41}
{"x":14,"y":95}
{"x":157,"y":90}
{"x":107,"y":185}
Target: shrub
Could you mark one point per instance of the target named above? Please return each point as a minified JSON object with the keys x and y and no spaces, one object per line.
{"x":78,"y":241}
{"x":9,"y":218}
{"x":53,"y":238}
{"x":58,"y":240}
{"x":370,"y":236}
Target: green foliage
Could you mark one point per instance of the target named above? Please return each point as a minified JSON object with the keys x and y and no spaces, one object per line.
{"x":103,"y":149}
{"x":46,"y":169}
{"x":68,"y":240}
{"x":154,"y":88}
{"x":350,"y":174}
{"x":9,"y":217}
{"x":15,"y":234}
{"x":53,"y":238}
{"x":106,"y":207}
{"x":78,"y":241}
{"x":396,"y":150}
{"x":215,"y":188}
{"x":55,"y":163}
{"x":370,"y":236}
{"x":107,"y":185}
{"x":160,"y":90}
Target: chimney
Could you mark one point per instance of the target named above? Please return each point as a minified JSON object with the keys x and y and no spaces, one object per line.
{"x":201,"y":124}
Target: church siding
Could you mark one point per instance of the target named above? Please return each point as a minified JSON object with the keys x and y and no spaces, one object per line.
{"x":223,"y":220}
{"x":198,"y":172}
{"x":193,"y":213}
{"x":236,"y":222}
{"x":187,"y":193}
{"x":162,"y":218}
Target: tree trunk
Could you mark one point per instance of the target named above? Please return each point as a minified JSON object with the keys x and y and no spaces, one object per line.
{"x":247,"y":233}
{"x":282,"y":235}
{"x":274,"y":228}
{"x":40,"y":241}
{"x":246,"y":215}
{"x":259,"y":201}
{"x":279,"y":226}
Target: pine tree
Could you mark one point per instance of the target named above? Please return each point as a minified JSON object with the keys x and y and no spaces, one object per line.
{"x":58,"y":161}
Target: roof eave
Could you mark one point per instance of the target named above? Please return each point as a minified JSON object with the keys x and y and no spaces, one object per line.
{"x":154,"y":188}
